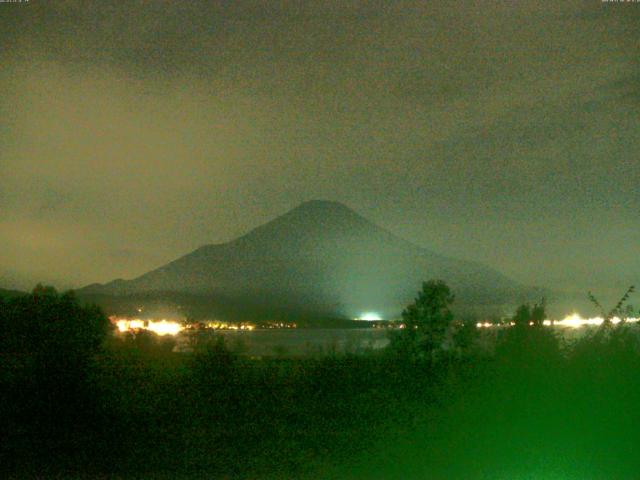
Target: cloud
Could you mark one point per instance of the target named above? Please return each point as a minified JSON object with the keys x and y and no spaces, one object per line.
{"x":154,"y":127}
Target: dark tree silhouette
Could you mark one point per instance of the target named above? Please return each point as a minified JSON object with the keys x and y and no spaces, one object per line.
{"x":539,"y":312}
{"x":465,"y":335}
{"x":619,"y":310}
{"x":45,"y":323}
{"x":522,"y":316}
{"x":527,"y":342}
{"x":428,"y":318}
{"x":48,"y":345}
{"x":526,"y":314}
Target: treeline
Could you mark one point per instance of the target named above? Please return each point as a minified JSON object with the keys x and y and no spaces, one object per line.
{"x":79,"y":401}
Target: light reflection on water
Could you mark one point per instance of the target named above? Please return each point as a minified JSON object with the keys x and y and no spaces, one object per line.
{"x":304,"y":341}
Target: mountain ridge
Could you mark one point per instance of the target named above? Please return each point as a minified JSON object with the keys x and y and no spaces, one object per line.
{"x":321,"y":254}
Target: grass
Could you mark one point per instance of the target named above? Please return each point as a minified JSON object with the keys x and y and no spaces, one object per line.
{"x":535,"y":409}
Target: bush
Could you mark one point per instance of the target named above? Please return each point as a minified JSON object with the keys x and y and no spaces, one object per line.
{"x":48,"y":346}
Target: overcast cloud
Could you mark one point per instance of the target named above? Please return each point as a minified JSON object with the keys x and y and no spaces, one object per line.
{"x":133,"y":132}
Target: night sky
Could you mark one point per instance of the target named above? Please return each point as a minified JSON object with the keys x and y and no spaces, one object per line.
{"x":134,"y":132}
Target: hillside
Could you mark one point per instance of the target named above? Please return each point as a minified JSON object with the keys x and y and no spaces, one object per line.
{"x":5,"y":293}
{"x":320,"y":257}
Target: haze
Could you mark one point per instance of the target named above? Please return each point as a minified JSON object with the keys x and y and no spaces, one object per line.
{"x":133,"y":132}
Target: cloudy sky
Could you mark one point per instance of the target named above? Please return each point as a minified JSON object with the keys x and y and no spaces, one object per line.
{"x":134,"y":131}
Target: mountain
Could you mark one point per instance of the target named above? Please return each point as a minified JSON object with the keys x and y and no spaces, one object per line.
{"x":5,"y":293}
{"x":321,"y":258}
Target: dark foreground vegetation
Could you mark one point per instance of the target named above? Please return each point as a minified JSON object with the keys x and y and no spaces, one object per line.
{"x":78,"y":401}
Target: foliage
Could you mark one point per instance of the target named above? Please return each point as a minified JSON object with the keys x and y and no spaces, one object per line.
{"x":539,"y":312}
{"x":526,"y":314}
{"x":527,"y":342}
{"x":48,"y":347}
{"x":48,"y":325}
{"x":427,"y":320}
{"x":155,"y":413}
{"x":465,"y":336}
{"x":620,"y":309}
{"x":522,"y":315}
{"x":609,"y":341}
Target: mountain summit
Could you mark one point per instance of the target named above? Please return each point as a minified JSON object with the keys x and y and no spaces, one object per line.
{"x":320,"y":257}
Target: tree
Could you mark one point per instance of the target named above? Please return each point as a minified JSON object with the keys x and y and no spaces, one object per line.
{"x":620,"y":310}
{"x":49,"y":324}
{"x":527,"y":342}
{"x":609,"y":342}
{"x":522,"y":316}
{"x":526,"y":314}
{"x":428,"y":318}
{"x":539,"y":312}
{"x":49,"y":342}
{"x":465,"y":335}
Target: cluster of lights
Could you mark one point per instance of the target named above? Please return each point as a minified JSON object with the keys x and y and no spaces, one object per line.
{"x":166,"y":327}
{"x":572,"y":321}
{"x":229,"y":326}
{"x":279,"y":325}
{"x":161,"y":327}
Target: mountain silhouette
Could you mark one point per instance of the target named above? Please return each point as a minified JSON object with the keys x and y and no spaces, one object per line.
{"x":320,"y":257}
{"x":8,"y":293}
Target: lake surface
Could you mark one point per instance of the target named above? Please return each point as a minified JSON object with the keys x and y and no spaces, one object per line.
{"x":300,"y":341}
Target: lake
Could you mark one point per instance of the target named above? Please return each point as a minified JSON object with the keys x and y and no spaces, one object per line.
{"x":301,"y":341}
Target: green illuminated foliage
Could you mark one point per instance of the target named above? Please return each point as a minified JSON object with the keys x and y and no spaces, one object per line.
{"x":427,"y":319}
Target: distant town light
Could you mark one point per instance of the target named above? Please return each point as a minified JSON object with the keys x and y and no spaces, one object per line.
{"x":165,"y":328}
{"x":370,"y":316}
{"x":161,"y":327}
{"x":572,"y":321}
